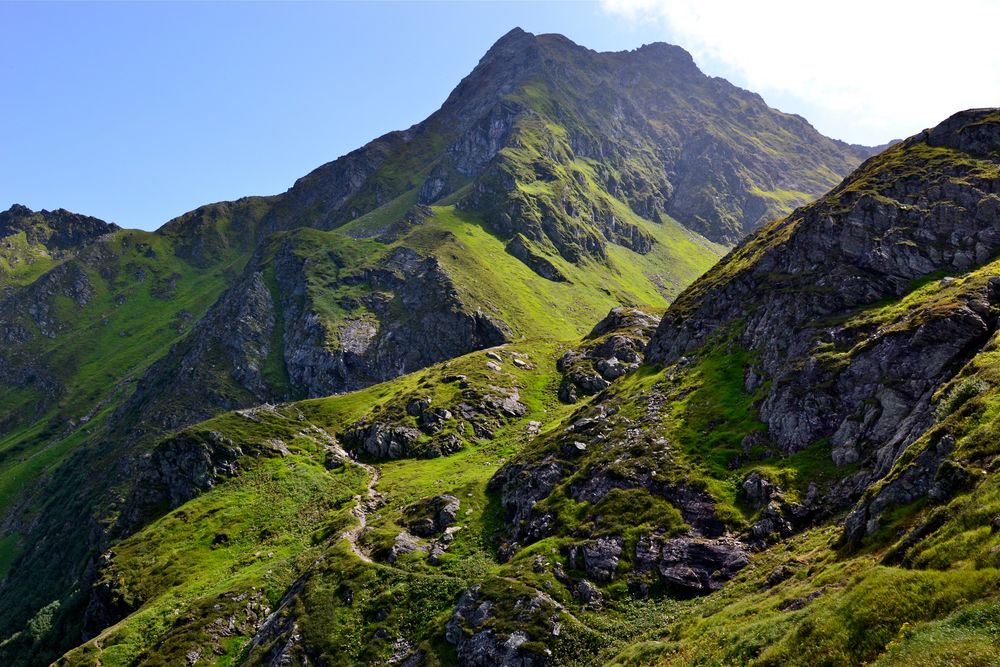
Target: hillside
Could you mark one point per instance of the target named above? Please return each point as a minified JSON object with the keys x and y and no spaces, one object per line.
{"x":554,"y":184}
{"x":795,"y":464}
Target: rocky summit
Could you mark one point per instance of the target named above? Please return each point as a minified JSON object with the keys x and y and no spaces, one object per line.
{"x":604,"y":362}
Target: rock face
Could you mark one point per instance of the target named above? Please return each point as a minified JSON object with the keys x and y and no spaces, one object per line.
{"x":692,"y":566}
{"x":219,"y":365}
{"x":479,"y":644}
{"x":926,"y":205}
{"x":613,"y":348}
{"x":179,"y":469}
{"x":58,"y":230}
{"x":929,"y":476}
{"x":409,"y":317}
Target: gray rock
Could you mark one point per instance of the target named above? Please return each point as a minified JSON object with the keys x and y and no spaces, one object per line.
{"x":589,"y":593}
{"x":416,"y":406}
{"x":403,"y":544}
{"x":381,"y":441}
{"x":758,"y":490}
{"x":613,"y":348}
{"x":689,"y":565}
{"x":856,"y":247}
{"x":432,"y":515}
{"x":601,"y":556}
{"x":478,"y":644}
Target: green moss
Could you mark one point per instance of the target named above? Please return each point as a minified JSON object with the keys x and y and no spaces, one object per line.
{"x":959,"y":395}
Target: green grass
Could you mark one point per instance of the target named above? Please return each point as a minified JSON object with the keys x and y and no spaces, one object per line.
{"x":102,"y":347}
{"x":22,"y":262}
{"x":490,"y":278}
{"x":852,"y":609}
{"x":254,"y":533}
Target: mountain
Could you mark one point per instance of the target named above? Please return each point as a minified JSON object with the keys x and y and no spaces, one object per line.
{"x":553,"y":185}
{"x":794,"y":464}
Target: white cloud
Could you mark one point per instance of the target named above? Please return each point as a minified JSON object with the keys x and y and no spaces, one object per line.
{"x":864,"y":71}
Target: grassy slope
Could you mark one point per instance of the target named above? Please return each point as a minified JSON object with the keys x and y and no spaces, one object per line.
{"x":153,"y":296}
{"x":834,"y":607}
{"x":21,"y":262}
{"x":106,"y":343}
{"x":173,"y":570}
{"x":311,"y":541}
{"x":923,"y":589}
{"x":100,"y":350}
{"x":487,"y":277}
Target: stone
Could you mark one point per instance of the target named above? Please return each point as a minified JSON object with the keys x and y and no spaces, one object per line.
{"x":416,"y":406}
{"x":613,"y":348}
{"x":758,"y":490}
{"x":601,"y":556}
{"x":431,"y":516}
{"x":480,"y":646}
{"x":403,"y":544}
{"x":695,"y":566}
{"x":589,"y":593}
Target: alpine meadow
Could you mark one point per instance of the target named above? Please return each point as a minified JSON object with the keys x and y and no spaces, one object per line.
{"x":605,"y":362}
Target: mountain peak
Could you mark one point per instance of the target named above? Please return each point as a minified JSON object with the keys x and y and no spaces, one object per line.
{"x":58,"y":229}
{"x":18,"y":210}
{"x":664,"y":50}
{"x":540,"y":105}
{"x":975,"y":131}
{"x":514,"y":40}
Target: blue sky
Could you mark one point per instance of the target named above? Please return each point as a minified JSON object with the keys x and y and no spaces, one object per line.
{"x":139,"y":112}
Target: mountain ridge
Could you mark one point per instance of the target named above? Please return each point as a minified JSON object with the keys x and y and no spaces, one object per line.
{"x":639,"y":495}
{"x":539,"y":197}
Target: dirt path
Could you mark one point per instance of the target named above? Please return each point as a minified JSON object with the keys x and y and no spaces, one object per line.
{"x":364,"y":503}
{"x":371,"y":500}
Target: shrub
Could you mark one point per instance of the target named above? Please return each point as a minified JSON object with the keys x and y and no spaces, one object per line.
{"x":959,"y":395}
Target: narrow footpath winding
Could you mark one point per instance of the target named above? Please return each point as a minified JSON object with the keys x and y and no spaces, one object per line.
{"x":364,"y":503}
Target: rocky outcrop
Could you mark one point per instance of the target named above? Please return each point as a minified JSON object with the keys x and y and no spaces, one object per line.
{"x":924,"y":206}
{"x":106,"y":604}
{"x":413,"y":426}
{"x":179,"y":469}
{"x":520,"y":486}
{"x":600,"y":451}
{"x":58,"y":230}
{"x":930,"y":475}
{"x":432,"y":515}
{"x":691,"y":565}
{"x":409,"y":317}
{"x":382,"y":441}
{"x":478,"y":643}
{"x":521,"y":248}
{"x":218,"y":366}
{"x":207,"y":235}
{"x":613,"y":348}
{"x":598,"y":558}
